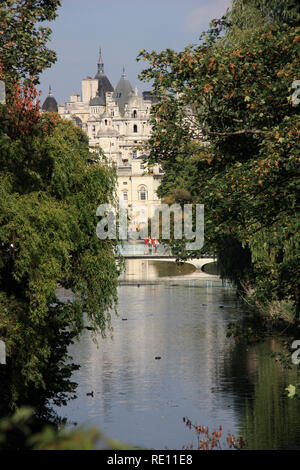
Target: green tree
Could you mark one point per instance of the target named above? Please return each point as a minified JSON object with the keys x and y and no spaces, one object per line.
{"x":23,"y":51}
{"x":51,"y":185}
{"x":226,"y":130}
{"x":281,"y":11}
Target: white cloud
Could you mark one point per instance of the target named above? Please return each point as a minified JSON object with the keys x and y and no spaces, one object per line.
{"x":198,"y":19}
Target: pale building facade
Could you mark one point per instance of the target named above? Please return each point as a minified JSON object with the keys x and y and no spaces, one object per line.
{"x":118,"y":120}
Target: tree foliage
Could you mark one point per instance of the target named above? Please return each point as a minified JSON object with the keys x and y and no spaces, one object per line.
{"x":50,"y":188}
{"x":281,"y":11}
{"x":23,"y":51}
{"x":225,"y":129}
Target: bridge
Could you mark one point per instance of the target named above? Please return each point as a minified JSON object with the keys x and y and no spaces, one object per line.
{"x":138,"y":250}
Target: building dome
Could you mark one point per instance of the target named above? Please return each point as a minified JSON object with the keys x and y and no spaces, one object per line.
{"x":50,"y":103}
{"x":123,"y":92}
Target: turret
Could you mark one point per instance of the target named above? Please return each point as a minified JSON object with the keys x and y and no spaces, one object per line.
{"x":50,"y":103}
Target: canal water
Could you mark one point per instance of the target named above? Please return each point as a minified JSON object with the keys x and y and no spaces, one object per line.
{"x":169,"y":359}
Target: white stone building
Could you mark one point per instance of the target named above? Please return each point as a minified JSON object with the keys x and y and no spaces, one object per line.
{"x":118,"y":120}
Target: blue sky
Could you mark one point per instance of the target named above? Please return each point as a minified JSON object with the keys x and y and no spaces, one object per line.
{"x":121,"y":28}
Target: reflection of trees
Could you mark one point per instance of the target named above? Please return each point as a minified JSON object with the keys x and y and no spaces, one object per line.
{"x":239,"y":371}
{"x":187,"y":328}
{"x":270,"y":420}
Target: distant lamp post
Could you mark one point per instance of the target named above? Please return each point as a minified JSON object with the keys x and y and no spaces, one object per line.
{"x":2,"y":353}
{"x":2,"y":92}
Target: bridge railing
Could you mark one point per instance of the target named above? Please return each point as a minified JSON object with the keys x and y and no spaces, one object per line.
{"x":141,"y":249}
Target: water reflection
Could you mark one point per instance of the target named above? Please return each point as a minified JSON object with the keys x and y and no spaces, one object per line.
{"x":269,"y":420}
{"x":201,"y":373}
{"x":144,"y":269}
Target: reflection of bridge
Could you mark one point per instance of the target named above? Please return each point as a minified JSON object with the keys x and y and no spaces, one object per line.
{"x":197,"y":262}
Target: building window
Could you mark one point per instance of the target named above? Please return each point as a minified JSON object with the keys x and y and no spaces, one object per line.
{"x":124,"y":182}
{"x":125,"y":196}
{"x":135,"y":128}
{"x":105,"y":122}
{"x":143,"y":195}
{"x":134,"y":154}
{"x":142,"y":167}
{"x":134,"y":114}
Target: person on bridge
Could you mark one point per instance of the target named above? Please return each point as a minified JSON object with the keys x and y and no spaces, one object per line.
{"x":146,"y":242}
{"x":153,"y":245}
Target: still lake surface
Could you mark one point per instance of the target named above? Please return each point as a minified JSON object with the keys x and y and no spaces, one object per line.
{"x":201,"y":374}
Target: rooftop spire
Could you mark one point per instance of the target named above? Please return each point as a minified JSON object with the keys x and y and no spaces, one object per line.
{"x":104,"y":84}
{"x":100,"y":64}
